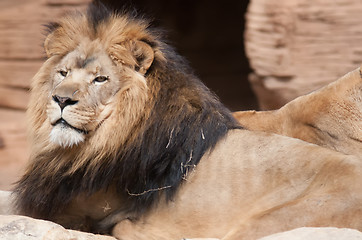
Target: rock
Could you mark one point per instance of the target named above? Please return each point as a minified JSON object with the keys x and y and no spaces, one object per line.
{"x":6,"y":201}
{"x":14,"y":227}
{"x":327,"y":233}
{"x":297,"y":46}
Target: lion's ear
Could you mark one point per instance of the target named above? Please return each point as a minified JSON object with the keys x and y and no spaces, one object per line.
{"x":48,"y":44}
{"x":144,"y":55}
{"x":58,"y":41}
{"x":49,"y":47}
{"x":53,"y":41}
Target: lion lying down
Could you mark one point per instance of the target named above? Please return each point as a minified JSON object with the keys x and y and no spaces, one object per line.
{"x":126,"y":140}
{"x":330,"y":117}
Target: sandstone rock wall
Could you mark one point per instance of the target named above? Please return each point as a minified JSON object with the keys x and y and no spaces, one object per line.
{"x":297,"y":46}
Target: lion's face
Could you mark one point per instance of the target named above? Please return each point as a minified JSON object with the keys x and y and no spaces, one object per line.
{"x":82,"y":86}
{"x":93,"y":88}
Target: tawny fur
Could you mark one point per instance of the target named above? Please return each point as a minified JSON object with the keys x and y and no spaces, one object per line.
{"x":161,"y":157}
{"x":330,"y":117}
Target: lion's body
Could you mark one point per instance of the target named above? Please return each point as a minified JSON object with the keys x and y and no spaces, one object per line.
{"x":123,"y":133}
{"x":254,"y":184}
{"x":330,"y":117}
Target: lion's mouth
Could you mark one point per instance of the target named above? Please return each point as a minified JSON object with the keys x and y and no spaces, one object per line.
{"x":66,"y":124}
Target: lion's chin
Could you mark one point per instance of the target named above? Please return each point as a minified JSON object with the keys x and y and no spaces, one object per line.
{"x":65,"y":136}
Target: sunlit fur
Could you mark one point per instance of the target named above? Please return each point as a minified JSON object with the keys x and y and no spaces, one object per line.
{"x":65,"y":137}
{"x":330,"y":117}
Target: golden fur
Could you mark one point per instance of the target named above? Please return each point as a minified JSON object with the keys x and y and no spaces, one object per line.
{"x":254,"y":184}
{"x":330,"y":117}
{"x":141,"y":143}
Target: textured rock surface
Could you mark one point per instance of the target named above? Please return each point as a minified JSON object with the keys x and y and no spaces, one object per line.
{"x":317,"y":234}
{"x":296,"y":46}
{"x":14,"y":227}
{"x":6,"y":203}
{"x":24,"y":228}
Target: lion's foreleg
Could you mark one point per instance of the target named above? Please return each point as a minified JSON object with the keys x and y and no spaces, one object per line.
{"x":107,"y":223}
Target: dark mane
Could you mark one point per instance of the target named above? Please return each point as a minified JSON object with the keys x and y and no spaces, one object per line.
{"x":186,"y":120}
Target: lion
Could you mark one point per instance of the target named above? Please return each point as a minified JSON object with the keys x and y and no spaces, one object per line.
{"x":126,"y":140}
{"x":330,"y":117}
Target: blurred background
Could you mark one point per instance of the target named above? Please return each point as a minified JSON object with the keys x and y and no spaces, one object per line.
{"x":254,"y":54}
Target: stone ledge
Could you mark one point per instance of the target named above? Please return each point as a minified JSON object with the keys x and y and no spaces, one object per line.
{"x":19,"y":227}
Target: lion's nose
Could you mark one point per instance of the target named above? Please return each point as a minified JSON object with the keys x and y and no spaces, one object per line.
{"x":63,"y":101}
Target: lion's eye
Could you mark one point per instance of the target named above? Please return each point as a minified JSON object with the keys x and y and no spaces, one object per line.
{"x":100,"y":79}
{"x":63,"y":73}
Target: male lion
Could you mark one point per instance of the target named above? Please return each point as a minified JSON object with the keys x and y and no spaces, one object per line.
{"x":330,"y":117}
{"x":125,"y":138}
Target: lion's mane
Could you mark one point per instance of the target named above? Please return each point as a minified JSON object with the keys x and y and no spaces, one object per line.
{"x":159,"y":134}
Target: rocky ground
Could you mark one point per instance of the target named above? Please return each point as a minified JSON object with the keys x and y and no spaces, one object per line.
{"x":25,"y":228}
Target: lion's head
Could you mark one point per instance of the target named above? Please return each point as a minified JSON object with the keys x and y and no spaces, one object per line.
{"x":93,"y":70}
{"x":114,"y":105}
